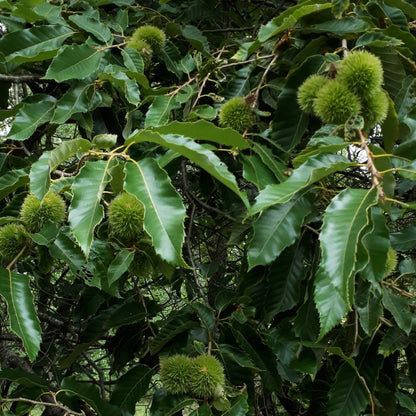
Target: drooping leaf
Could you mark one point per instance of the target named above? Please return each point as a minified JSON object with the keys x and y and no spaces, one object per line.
{"x":131,"y":387}
{"x":74,"y":62}
{"x":377,"y":244}
{"x":32,"y":115}
{"x":262,"y":356}
{"x":34,"y":44}
{"x":368,"y":305}
{"x":344,"y":219}
{"x":66,"y":150}
{"x":399,"y":307}
{"x":277,"y":228}
{"x":192,"y":150}
{"x":283,"y":282}
{"x":314,"y":169}
{"x":164,"y":210}
{"x":86,"y":211}
{"x":203,"y":130}
{"x":348,"y":395}
{"x":40,"y":176}
{"x":119,"y":265}
{"x":14,"y":287}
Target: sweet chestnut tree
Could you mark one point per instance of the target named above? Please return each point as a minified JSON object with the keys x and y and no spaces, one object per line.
{"x":207,"y":207}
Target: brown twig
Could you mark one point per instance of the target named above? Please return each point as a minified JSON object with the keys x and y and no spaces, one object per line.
{"x":38,"y":403}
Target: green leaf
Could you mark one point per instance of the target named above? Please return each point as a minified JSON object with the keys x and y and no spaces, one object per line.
{"x":34,"y":44}
{"x":159,"y":112}
{"x":394,"y":72}
{"x":270,"y":160}
{"x":343,"y":26}
{"x":314,"y":169}
{"x":31,"y":116}
{"x":78,"y":99}
{"x":13,"y":180}
{"x":377,"y":244}
{"x":177,"y":323}
{"x":289,"y":18}
{"x":128,"y":87}
{"x":289,"y":122}
{"x":74,"y":62}
{"x":66,"y":150}
{"x":320,"y":145}
{"x":164,"y":404}
{"x":195,"y":152}
{"x":128,"y":312}
{"x":90,"y":394}
{"x":344,"y":219}
{"x":23,"y":378}
{"x":277,"y":228}
{"x":403,"y":240}
{"x":393,"y":340}
{"x":86,"y":211}
{"x":255,"y":171}
{"x":203,"y":130}
{"x":348,"y":395}
{"x":98,"y":29}
{"x":196,"y":38}
{"x":133,"y":61}
{"x":164,"y":210}
{"x":119,"y":265}
{"x":339,"y":7}
{"x":283,"y":282}
{"x":239,"y":406}
{"x":65,"y":249}
{"x":236,"y":355}
{"x":205,"y":314}
{"x":40,"y":179}
{"x":14,"y":287}
{"x":262,"y":356}
{"x":131,"y":387}
{"x":404,"y":6}
{"x":399,"y":308}
{"x":368,"y":305}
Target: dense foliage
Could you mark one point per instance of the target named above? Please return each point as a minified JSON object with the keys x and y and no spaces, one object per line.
{"x":140,"y":230}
